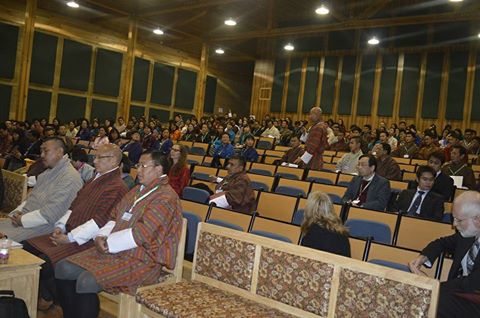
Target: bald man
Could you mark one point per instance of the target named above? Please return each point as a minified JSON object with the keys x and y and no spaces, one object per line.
{"x":316,"y":141}
{"x":88,"y":213}
{"x":464,"y":275}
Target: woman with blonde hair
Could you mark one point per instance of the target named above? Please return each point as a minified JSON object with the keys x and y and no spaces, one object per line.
{"x":322,"y":229}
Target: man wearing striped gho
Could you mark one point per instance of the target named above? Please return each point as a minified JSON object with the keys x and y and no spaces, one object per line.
{"x":131,"y":249}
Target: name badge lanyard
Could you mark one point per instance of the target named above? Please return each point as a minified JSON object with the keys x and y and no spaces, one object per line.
{"x":128,"y":215}
{"x":363,"y":190}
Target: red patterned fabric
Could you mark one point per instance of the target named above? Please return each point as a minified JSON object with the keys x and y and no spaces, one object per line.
{"x":179,"y":181}
{"x":316,"y":144}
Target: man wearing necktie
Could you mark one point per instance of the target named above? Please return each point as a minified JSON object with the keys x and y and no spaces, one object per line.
{"x":421,"y":202}
{"x":464,"y":275}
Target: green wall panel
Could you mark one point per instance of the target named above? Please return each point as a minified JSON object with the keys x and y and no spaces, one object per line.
{"x":210,"y":93}
{"x":103,"y":110}
{"x":328,"y":84}
{"x":409,"y":90}
{"x":277,"y":88}
{"x":185,"y":93}
{"x":38,"y":104}
{"x":140,"y":79}
{"x":346,"y":85}
{"x":43,"y":58}
{"x":311,"y":83}
{"x":456,"y":85}
{"x":8,"y":49}
{"x":108,"y":70}
{"x":137,"y":111}
{"x":162,"y":115}
{"x":294,"y":85}
{"x":162,"y":86}
{"x":433,"y":80}
{"x":76,"y":61}
{"x":70,"y":107}
{"x":475,"y":115}
{"x":5,"y":95}
{"x":387,"y":85}
{"x":365,"y":90}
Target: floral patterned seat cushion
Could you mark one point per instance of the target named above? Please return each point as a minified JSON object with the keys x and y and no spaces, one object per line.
{"x":194,"y":299}
{"x":294,"y":280}
{"x":364,"y":295}
{"x":225,"y":259}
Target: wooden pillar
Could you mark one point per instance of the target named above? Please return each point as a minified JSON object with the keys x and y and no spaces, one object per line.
{"x":398,"y":88}
{"x":128,"y":63}
{"x":467,"y":108}
{"x":26,"y":58}
{"x":376,"y":89}
{"x":262,"y":87}
{"x":302,"y":89}
{"x":201,"y":82}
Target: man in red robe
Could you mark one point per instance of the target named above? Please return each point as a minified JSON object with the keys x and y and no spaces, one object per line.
{"x":316,"y":141}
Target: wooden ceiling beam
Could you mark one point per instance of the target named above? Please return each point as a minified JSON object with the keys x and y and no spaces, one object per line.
{"x":352,"y":24}
{"x":107,"y":7}
{"x":374,"y":8}
{"x":179,"y":8}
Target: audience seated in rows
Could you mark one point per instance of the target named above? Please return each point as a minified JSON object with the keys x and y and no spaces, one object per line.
{"x":348,"y":162}
{"x":387,"y":167}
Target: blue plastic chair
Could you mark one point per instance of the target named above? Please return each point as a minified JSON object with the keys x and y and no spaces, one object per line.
{"x":447,"y":218}
{"x":264,"y":145}
{"x":290,"y":191}
{"x":197,"y":151}
{"x":343,"y":183}
{"x":261,"y":172}
{"x":298,"y":217}
{"x":192,"y":227}
{"x":272,"y":236}
{"x":192,"y":162}
{"x":319,"y":180}
{"x":366,"y":228}
{"x":287,"y":175}
{"x":256,"y":185}
{"x":335,"y":198}
{"x":195,"y":194}
{"x":225,"y":224}
{"x":201,"y":176}
{"x":394,"y":265}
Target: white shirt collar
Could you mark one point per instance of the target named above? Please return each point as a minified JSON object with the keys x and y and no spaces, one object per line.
{"x":370,"y":179}
{"x":98,"y":175}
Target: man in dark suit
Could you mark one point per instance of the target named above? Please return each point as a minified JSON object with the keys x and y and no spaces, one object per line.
{"x":368,"y":190}
{"x":421,"y":201}
{"x":464,"y":275}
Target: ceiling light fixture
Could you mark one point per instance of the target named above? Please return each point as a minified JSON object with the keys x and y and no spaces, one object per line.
{"x":219,"y":51}
{"x":230,"y":22}
{"x":73,"y":4}
{"x":158,"y":31}
{"x":289,"y":47}
{"x":479,"y":35}
{"x":322,"y":10}
{"x":373,"y":41}
{"x":455,"y":0}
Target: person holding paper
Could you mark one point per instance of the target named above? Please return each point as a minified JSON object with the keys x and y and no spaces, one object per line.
{"x":460,"y":172}
{"x":316,"y":141}
{"x":235,"y":191}
{"x":52,"y":195}
{"x":88,"y":212}
{"x":131,"y":249}
{"x":464,"y":275}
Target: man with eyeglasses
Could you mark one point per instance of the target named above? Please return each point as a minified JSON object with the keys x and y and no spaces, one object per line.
{"x":52,"y":195}
{"x":75,"y":230}
{"x":132,"y":249}
{"x":421,"y":202}
{"x":464,"y":276}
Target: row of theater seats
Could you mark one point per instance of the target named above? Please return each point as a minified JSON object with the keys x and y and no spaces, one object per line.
{"x":364,"y":244}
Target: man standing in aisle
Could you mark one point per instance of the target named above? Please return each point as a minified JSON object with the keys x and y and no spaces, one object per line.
{"x":316,"y":141}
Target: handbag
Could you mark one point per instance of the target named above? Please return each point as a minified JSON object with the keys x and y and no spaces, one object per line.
{"x":12,"y":307}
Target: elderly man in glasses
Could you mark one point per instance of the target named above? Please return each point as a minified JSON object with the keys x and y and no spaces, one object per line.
{"x":131,"y":249}
{"x":89,"y":211}
{"x":464,"y":276}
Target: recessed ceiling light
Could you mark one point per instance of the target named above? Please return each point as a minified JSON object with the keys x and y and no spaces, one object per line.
{"x":479,"y":35}
{"x":289,"y":47}
{"x":322,"y":10}
{"x":73,"y":4}
{"x":230,"y":22}
{"x":455,"y":0}
{"x":373,"y":41}
{"x":219,"y":51}
{"x":158,"y":31}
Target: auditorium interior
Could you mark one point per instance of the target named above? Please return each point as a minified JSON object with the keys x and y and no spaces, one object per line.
{"x":403,"y":67}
